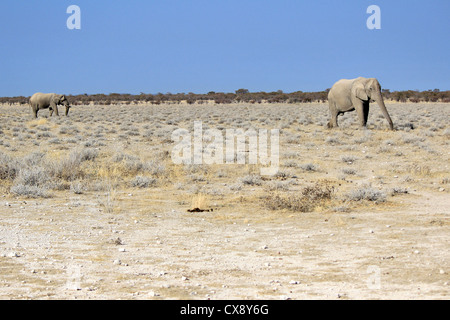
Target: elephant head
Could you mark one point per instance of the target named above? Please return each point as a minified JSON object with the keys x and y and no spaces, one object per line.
{"x":369,"y":90}
{"x":61,"y":100}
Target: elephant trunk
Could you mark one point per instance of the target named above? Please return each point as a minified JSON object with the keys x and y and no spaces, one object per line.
{"x":67,"y":110}
{"x":379,"y":100}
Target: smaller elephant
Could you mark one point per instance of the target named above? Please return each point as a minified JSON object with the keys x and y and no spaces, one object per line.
{"x":40,"y":101}
{"x":356,"y":94}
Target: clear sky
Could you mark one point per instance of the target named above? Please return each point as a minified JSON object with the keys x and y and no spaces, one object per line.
{"x":199,"y":46}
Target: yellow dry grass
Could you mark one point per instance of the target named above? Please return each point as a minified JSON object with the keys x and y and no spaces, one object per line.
{"x":37,"y":122}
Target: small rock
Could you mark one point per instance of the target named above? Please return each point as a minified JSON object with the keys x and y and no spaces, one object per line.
{"x":441,"y":189}
{"x":294,"y":282}
{"x":13,"y":255}
{"x":121,"y":249}
{"x":117,"y":241}
{"x":117,"y":261}
{"x":74,"y":286}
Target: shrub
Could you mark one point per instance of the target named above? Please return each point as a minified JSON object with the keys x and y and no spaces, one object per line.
{"x":236,"y":186}
{"x":77,"y":187}
{"x":399,"y":190}
{"x":309,"y":199}
{"x":84,"y":154}
{"x":349,"y":171}
{"x":32,"y":176}
{"x":308,"y":167}
{"x":252,"y":180}
{"x":69,"y":168}
{"x":154,"y":167}
{"x":8,"y":167}
{"x":279,"y":185}
{"x":366,"y":192}
{"x":332,"y":140}
{"x":348,"y":159}
{"x":33,"y":159}
{"x":143,"y":182}
{"x":30,"y":191}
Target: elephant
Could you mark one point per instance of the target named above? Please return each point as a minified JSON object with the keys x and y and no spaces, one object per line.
{"x":356,"y":94}
{"x":40,"y":101}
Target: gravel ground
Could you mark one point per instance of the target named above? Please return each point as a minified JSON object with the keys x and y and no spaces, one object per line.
{"x":76,"y":250}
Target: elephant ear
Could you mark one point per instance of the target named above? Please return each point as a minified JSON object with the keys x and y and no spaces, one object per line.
{"x":360,"y":92}
{"x":55,"y":98}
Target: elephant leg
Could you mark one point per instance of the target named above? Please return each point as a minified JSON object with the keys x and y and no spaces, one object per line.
{"x":33,"y":110}
{"x":360,"y":111}
{"x":51,"y":111}
{"x":366,"y":112}
{"x":334,"y":114}
{"x":334,"y":117}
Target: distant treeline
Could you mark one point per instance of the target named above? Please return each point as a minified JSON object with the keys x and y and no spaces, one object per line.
{"x":241,"y":95}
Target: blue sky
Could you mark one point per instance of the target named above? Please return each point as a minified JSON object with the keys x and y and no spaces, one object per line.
{"x":199,"y":46}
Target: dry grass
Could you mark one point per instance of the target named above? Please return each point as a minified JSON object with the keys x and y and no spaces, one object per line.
{"x":112,"y":184}
{"x":200,"y":201}
{"x":307,"y":200}
{"x":115,"y":148}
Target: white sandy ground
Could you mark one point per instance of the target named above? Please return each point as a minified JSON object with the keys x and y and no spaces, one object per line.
{"x":75,"y":250}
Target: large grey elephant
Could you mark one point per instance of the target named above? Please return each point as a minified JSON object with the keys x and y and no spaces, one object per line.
{"x":356,"y":94}
{"x":40,"y":101}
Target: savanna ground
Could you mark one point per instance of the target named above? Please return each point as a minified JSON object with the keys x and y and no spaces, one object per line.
{"x":93,"y":206}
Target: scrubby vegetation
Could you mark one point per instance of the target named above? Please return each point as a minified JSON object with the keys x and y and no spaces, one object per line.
{"x":306,"y":200}
{"x":100,"y":150}
{"x":239,"y":96}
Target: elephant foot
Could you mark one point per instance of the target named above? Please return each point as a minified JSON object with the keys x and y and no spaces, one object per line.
{"x":330,"y":125}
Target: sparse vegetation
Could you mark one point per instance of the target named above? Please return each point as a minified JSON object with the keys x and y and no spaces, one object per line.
{"x":106,"y":172}
{"x":143,"y":182}
{"x":367,"y":192}
{"x":239,"y":96}
{"x":309,"y":198}
{"x":130,"y":148}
